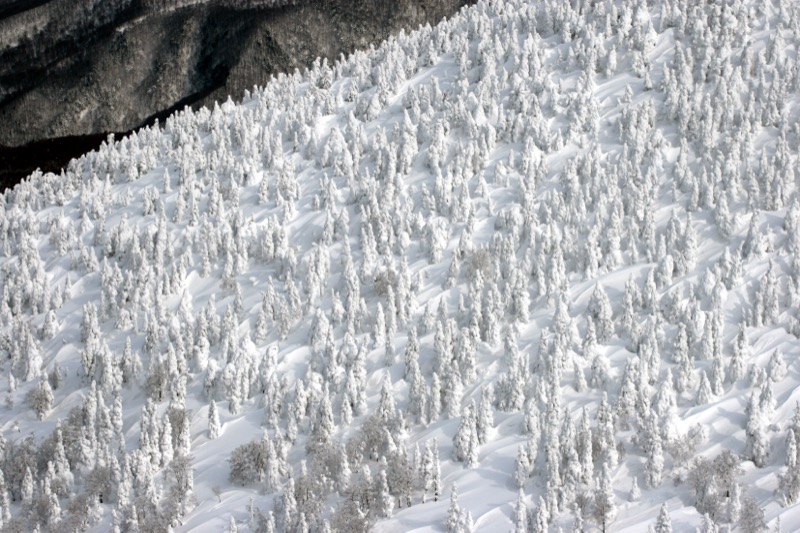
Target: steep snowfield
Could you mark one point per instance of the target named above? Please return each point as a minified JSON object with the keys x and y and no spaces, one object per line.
{"x":587,"y":218}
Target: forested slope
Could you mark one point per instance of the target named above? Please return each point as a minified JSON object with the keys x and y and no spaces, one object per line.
{"x":79,"y":68}
{"x":534,"y":268}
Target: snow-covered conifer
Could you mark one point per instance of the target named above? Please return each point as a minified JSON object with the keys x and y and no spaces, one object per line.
{"x":540,"y":519}
{"x":752,"y":516}
{"x":435,"y":400}
{"x":757,"y":441}
{"x":523,"y":466}
{"x":600,"y":309}
{"x":663,"y":522}
{"x":704,"y":393}
{"x":777,"y":366}
{"x":26,"y":489}
{"x":520,"y":514}
{"x":213,"y":420}
{"x":654,"y":466}
{"x":41,"y":398}
{"x":385,"y":501}
{"x":484,"y":420}
{"x":434,"y":480}
{"x":735,"y":503}
{"x":605,"y":506}
{"x":635,"y":493}
{"x":167,"y":448}
{"x":789,"y":479}
{"x":458,"y":519}
{"x":740,"y":356}
{"x":465,"y":441}
{"x":600,"y":370}
{"x":607,"y":447}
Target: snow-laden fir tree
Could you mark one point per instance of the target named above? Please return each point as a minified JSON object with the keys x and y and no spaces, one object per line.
{"x":520,"y":513}
{"x":458,"y":520}
{"x":213,"y":420}
{"x":663,"y":522}
{"x":465,"y":441}
{"x":605,"y":506}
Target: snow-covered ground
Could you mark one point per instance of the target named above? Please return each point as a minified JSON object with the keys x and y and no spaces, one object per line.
{"x":541,"y":257}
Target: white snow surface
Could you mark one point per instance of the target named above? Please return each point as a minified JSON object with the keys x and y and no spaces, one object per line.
{"x":481,"y":182}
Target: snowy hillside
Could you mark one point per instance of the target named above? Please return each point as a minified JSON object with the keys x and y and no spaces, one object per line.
{"x":535,"y":269}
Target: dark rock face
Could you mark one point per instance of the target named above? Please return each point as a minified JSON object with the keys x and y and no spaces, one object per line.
{"x":81,"y":67}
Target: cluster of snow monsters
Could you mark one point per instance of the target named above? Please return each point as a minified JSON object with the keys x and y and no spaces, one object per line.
{"x":552,"y":248}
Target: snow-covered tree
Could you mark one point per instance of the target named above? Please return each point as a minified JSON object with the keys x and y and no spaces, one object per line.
{"x":600,"y":310}
{"x":523,"y":466}
{"x":41,"y":398}
{"x":663,"y":522}
{"x":605,"y":506}
{"x":213,"y":420}
{"x":465,"y":441}
{"x":458,"y":519}
{"x":520,"y":514}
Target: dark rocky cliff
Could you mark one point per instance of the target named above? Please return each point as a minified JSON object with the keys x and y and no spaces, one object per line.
{"x":113,"y":74}
{"x":84,"y":67}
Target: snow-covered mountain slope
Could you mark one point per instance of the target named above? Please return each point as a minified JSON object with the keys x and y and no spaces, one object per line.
{"x":535,"y":268}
